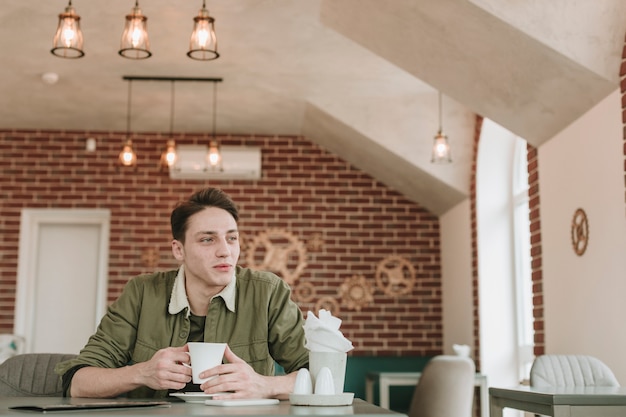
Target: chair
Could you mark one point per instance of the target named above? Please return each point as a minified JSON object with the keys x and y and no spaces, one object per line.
{"x":570,"y":371}
{"x":32,"y":375}
{"x":445,"y":388}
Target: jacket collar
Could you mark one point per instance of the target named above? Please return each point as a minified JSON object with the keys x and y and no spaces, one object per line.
{"x":179,"y":301}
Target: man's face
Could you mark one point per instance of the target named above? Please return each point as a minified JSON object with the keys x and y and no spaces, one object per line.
{"x":211,"y":249}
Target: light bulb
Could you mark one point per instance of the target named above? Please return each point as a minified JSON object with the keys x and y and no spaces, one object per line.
{"x":136,"y":36}
{"x":69,"y":34}
{"x":170,"y":156}
{"x":128,"y":156}
{"x":214,"y":157}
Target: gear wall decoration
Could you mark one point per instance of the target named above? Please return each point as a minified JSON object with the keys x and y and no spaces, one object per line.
{"x":580,"y":232}
{"x":278,"y":251}
{"x":243,"y":242}
{"x":316,"y":242}
{"x":304,"y":292}
{"x":356,"y":292}
{"x":395,"y":276}
{"x":150,"y":258}
{"x":328,"y":303}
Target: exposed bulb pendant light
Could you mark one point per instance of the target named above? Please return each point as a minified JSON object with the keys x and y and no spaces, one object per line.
{"x":128,"y":157}
{"x":135,"y":43}
{"x":68,"y":39}
{"x":169,"y":157}
{"x":214,"y":156}
{"x":441,"y":147}
{"x":203,"y":43}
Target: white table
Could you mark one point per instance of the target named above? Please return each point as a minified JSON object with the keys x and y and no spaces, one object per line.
{"x":389,"y":379}
{"x":359,"y":408}
{"x":560,"y":401}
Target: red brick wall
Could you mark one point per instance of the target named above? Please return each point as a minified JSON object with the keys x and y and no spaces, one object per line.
{"x":477,"y":407}
{"x":474,"y":239}
{"x":536,"y":266}
{"x":342,"y":220}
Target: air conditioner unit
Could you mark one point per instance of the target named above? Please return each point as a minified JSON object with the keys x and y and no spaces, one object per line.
{"x":238,"y":162}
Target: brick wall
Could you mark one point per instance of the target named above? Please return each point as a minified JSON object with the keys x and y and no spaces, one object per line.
{"x":344,"y":224}
{"x":536,"y":265}
{"x":474,"y":239}
{"x":478,"y":126}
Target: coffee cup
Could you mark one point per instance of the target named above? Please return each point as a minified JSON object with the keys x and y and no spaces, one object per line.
{"x":204,"y":356}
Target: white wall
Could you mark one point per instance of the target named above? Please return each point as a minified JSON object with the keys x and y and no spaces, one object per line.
{"x":456,"y":271}
{"x":583,"y":167}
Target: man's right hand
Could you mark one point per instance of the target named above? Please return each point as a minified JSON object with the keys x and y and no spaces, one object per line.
{"x":165,"y":370}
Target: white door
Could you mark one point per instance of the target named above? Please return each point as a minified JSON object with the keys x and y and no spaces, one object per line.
{"x":62,"y":277}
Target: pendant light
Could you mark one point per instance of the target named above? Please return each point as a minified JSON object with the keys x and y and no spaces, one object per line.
{"x":68,"y":39}
{"x":441,"y":147}
{"x":203,"y":43}
{"x":169,"y":157}
{"x":214,"y":156}
{"x":135,"y":43}
{"x":128,"y":157}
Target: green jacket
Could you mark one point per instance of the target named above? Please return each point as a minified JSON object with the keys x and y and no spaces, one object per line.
{"x":152,"y":313}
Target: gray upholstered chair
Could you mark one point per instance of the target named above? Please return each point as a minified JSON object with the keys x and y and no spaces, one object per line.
{"x":32,"y":375}
{"x":570,"y":371}
{"x":445,"y":388}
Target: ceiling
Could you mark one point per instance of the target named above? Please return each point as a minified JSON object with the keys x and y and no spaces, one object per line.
{"x":358,"y":77}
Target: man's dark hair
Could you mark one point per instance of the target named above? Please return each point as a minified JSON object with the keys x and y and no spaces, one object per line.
{"x":209,"y":197}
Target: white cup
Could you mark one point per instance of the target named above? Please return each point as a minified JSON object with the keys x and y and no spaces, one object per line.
{"x":334,"y":361}
{"x":204,"y":356}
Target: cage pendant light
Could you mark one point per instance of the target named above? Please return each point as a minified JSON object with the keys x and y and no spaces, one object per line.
{"x":203,"y":43}
{"x":135,"y":43}
{"x":68,"y":39}
{"x":441,"y":148}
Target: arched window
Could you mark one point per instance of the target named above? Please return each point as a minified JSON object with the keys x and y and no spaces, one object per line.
{"x":522,"y":274}
{"x":505,"y":307}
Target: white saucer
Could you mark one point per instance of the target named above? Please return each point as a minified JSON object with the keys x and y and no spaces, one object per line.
{"x":242,"y":402}
{"x":322,"y":400}
{"x":195,"y":397}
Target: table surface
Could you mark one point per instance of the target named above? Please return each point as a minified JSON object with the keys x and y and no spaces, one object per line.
{"x":563,"y":395}
{"x":358,"y":408}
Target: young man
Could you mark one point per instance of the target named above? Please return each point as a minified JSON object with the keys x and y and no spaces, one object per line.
{"x":140,"y":347}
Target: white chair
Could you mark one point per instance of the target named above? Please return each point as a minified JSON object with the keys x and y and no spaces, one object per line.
{"x":570,"y":371}
{"x":445,"y":388}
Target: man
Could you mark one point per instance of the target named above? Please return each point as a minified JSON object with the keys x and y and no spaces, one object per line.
{"x":139,"y":349}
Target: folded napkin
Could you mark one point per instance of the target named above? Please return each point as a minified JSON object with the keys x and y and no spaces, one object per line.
{"x":323,"y":335}
{"x":461,"y":350}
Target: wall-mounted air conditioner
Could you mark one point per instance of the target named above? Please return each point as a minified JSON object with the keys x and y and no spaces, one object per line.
{"x":238,"y":162}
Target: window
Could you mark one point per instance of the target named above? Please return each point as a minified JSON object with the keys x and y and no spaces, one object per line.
{"x":523,"y":281}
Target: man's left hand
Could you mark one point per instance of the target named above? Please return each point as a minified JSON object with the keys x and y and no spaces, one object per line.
{"x":237,"y":379}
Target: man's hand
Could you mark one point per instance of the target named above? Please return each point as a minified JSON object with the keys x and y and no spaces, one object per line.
{"x":165,"y":370}
{"x":239,"y":380}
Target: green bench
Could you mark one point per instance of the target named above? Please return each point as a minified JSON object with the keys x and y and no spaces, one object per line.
{"x":357,"y":368}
